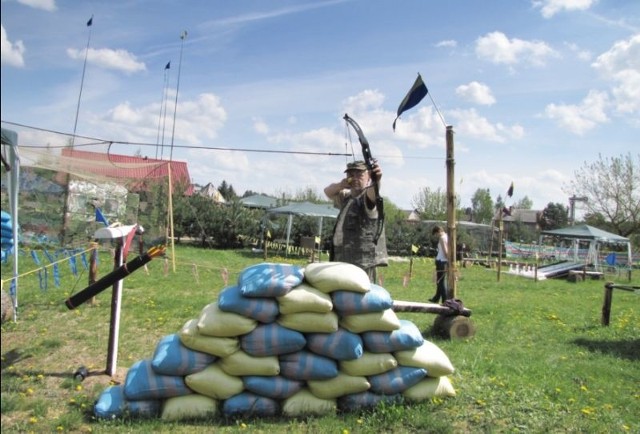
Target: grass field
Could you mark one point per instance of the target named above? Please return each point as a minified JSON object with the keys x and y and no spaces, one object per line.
{"x":540,"y":360}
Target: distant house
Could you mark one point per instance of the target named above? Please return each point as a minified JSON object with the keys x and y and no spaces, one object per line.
{"x":412,"y":216}
{"x":212,"y":193}
{"x":528,"y":217}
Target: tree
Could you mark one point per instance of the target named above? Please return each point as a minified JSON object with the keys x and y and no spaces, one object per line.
{"x":612,"y":187}
{"x":482,"y":209}
{"x":554,"y":216}
{"x":524,"y":203}
{"x":226,"y":190}
{"x":432,"y":204}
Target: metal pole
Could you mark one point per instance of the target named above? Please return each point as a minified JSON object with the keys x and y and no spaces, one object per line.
{"x":183,"y":36}
{"x":116,"y":300}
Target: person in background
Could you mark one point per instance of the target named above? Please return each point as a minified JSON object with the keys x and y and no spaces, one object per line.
{"x":354,"y":234}
{"x":441,"y":264}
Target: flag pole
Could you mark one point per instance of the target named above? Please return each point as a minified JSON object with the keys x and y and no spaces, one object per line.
{"x":183,"y":36}
{"x":65,"y":210}
{"x":84,"y":68}
{"x":163,"y":109}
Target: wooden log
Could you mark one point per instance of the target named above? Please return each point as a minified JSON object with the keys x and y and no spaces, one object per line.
{"x":412,"y":306}
{"x":453,"y":326}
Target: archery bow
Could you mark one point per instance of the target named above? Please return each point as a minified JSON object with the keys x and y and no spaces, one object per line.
{"x":369,"y":161}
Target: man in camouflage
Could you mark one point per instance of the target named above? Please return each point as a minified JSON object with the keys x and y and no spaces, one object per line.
{"x":357,"y":223}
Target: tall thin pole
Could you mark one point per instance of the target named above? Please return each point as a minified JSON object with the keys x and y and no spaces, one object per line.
{"x":451,"y":216}
{"x":163,"y":110}
{"x":183,"y":36}
{"x":65,"y":207}
{"x":84,"y":68}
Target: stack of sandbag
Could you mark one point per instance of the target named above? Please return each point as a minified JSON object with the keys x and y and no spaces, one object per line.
{"x":286,"y":340}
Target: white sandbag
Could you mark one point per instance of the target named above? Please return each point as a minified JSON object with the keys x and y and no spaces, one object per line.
{"x":334,"y":276}
{"x":340,"y":385}
{"x":429,"y":388}
{"x":241,"y":363}
{"x":369,"y":364}
{"x":190,"y":407}
{"x":215,"y":322}
{"x":385,"y":321}
{"x":310,"y":322}
{"x":305,"y":298}
{"x":221,"y":347}
{"x":214,"y":382}
{"x":428,"y":356}
{"x":305,"y":403}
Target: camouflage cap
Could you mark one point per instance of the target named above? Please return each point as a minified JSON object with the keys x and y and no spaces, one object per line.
{"x":356,"y":165}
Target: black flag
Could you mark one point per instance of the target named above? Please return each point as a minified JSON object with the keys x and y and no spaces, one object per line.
{"x":90,"y":21}
{"x":510,"y":191}
{"x":414,"y":96}
{"x":168,"y":65}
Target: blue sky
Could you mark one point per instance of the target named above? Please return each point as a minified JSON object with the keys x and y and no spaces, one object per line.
{"x":532,"y":88}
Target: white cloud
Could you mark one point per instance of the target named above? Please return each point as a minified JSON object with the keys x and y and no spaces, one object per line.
{"x":47,"y":5}
{"x":120,"y":60}
{"x":260,"y":126}
{"x":12,"y":53}
{"x":477,"y":93}
{"x":497,"y":48}
{"x":449,"y":43}
{"x":621,"y":65}
{"x":549,"y":8}
{"x":197,"y":119}
{"x":470,"y":123}
{"x":579,"y":52}
{"x":580,"y":118}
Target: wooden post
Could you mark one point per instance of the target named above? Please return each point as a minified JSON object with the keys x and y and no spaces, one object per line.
{"x":93,"y":266}
{"x":500,"y":226}
{"x":451,"y":216}
{"x":606,"y":306}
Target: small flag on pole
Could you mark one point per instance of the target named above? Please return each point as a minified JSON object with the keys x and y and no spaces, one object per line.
{"x":90,"y":22}
{"x":510,"y":191}
{"x":414,"y":249}
{"x":168,"y":65}
{"x":101,"y":218}
{"x":268,"y":234}
{"x":414,"y":96}
{"x":317,"y":240}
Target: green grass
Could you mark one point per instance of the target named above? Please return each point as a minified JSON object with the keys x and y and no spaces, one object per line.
{"x":540,"y":360}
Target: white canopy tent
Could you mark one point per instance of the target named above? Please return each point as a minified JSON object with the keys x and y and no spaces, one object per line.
{"x":306,"y":209}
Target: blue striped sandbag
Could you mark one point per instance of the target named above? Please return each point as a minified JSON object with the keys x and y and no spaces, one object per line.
{"x":276,"y":387}
{"x":144,"y":409}
{"x":396,"y":380}
{"x":111,"y":403}
{"x":261,"y":309}
{"x":269,"y":280}
{"x":272,"y":340}
{"x":366,"y":399}
{"x":171,"y":357}
{"x":247,"y":404}
{"x":376,"y":299}
{"x":407,"y":337}
{"x":339,"y":345}
{"x":142,"y":382}
{"x":305,"y":365}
